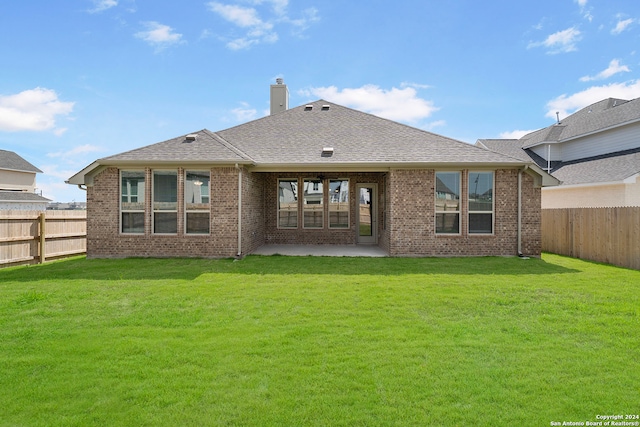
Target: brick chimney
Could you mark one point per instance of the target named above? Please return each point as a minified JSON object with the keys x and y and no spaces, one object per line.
{"x":279,"y":97}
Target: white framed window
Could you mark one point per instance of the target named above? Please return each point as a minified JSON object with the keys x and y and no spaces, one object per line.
{"x":132,"y":189}
{"x":197,"y":206}
{"x":312,"y":204}
{"x":339,"y":203}
{"x":481,"y":202}
{"x":447,"y":202}
{"x":165,"y":202}
{"x":288,"y":203}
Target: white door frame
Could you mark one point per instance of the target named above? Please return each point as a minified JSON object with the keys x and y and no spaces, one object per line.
{"x":366,"y":238}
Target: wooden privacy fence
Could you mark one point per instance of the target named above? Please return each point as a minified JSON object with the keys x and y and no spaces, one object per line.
{"x":609,"y":235}
{"x":28,"y":237}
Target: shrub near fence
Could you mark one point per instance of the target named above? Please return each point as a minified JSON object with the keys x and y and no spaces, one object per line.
{"x":609,"y":235}
{"x":22,"y":240}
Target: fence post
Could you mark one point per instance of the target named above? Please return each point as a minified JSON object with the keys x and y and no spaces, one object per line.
{"x":43,"y":240}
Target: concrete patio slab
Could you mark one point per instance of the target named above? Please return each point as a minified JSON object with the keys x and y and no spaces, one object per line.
{"x":322,"y":250}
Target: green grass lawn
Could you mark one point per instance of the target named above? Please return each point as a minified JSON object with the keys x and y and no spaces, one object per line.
{"x":318,"y":341}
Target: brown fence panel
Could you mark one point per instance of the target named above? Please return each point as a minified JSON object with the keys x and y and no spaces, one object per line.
{"x":22,"y":240}
{"x":609,"y":235}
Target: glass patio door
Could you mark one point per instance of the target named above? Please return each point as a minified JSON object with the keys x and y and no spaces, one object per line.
{"x":366,"y":213}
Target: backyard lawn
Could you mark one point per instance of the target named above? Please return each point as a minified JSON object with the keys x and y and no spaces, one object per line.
{"x":318,"y":341}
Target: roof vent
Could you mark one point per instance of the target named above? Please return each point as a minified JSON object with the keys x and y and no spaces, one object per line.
{"x":308,"y":107}
{"x":191,"y":137}
{"x":327,"y":151}
{"x":325,"y":107}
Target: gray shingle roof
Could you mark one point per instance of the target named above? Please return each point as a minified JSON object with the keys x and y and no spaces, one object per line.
{"x":298,"y":135}
{"x":510,"y":147}
{"x":602,"y":115}
{"x":612,"y":167}
{"x":11,"y":161}
{"x":296,"y":138}
{"x":207,"y":147}
{"x":21,"y":196}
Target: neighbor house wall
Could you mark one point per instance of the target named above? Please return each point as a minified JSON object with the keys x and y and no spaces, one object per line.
{"x":632,"y":192}
{"x":589,"y":196}
{"x":605,"y":142}
{"x":104,"y":239}
{"x":17,"y":181}
{"x":412,"y":217}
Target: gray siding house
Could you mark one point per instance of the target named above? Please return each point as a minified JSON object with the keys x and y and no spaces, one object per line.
{"x":320,"y":174}
{"x":18,"y":184}
{"x":594,"y":153}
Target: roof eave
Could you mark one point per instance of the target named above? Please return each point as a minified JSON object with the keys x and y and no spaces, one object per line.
{"x":379,"y":166}
{"x":547,"y":180}
{"x":21,"y":170}
{"x":116,"y":162}
{"x":536,"y":144}
{"x":81,"y":177}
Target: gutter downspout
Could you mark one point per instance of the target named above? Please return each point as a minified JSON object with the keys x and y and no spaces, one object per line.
{"x":548,"y":158}
{"x":239,"y":210}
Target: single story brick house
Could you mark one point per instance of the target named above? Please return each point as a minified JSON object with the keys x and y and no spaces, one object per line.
{"x":319,"y":173}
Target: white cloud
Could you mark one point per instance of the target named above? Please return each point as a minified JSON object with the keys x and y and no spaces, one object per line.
{"x":515,"y":134}
{"x":622,"y":25}
{"x":247,"y":18}
{"x":52,"y":184}
{"x":437,"y":123}
{"x":158,"y":35}
{"x":560,"y":42}
{"x":586,"y":13}
{"x":245,"y":113}
{"x":614,"y":68}
{"x":32,"y":110}
{"x":257,"y":29}
{"x":394,"y":104}
{"x":76,"y":151}
{"x":309,"y":16}
{"x":241,"y":16}
{"x":102,"y":5}
{"x":414,"y":85}
{"x":568,"y":104}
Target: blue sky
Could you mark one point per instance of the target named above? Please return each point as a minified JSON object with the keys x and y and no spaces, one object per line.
{"x":85,"y":79}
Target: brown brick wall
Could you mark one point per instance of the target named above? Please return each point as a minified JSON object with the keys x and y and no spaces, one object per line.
{"x":253,"y":211}
{"x":531,"y":217}
{"x":405,"y":217}
{"x":104,"y":239}
{"x":411,"y":217}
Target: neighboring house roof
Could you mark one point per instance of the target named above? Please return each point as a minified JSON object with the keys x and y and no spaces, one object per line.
{"x":514,"y":148}
{"x":21,"y":196}
{"x":442,"y":188}
{"x":11,"y":161}
{"x":606,"y":114}
{"x":296,"y":138}
{"x":612,"y":167}
{"x":510,"y":147}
